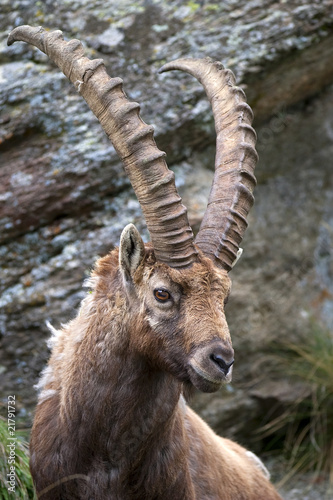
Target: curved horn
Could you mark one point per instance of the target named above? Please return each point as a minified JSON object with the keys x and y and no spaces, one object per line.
{"x":133,"y":140}
{"x":231,"y":197}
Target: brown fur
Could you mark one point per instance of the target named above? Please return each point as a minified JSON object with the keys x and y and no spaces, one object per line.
{"x":111,"y":422}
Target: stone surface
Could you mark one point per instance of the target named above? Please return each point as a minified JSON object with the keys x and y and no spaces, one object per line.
{"x":64,"y":198}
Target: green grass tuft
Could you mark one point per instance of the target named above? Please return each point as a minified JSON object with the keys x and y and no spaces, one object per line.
{"x":24,"y":486}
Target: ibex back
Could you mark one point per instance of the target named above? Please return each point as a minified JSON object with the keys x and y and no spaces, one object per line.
{"x":111,"y":420}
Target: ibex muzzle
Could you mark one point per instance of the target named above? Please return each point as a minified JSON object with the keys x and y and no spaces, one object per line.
{"x":213,"y":364}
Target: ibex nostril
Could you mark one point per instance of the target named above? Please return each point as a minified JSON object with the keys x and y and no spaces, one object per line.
{"x":223,"y":365}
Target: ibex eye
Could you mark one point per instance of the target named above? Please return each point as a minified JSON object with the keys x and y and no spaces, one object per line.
{"x":161,"y":295}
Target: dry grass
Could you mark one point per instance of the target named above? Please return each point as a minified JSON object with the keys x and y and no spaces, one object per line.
{"x":307,"y":423}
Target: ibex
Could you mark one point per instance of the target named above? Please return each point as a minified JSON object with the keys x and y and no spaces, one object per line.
{"x":112,"y":421}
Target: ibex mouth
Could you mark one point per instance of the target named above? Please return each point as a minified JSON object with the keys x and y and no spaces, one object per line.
{"x":204,"y":381}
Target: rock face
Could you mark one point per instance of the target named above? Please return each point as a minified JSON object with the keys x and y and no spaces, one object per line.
{"x":64,"y":198}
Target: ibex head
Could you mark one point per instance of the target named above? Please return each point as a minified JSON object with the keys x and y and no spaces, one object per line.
{"x":181,"y":326}
{"x":176,"y":287}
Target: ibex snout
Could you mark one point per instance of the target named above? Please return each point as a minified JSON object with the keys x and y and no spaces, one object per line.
{"x":221,"y":363}
{"x":211,"y":366}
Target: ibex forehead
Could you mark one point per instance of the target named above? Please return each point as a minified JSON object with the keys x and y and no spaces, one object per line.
{"x":201,"y":276}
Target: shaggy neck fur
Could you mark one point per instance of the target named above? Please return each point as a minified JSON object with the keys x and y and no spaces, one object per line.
{"x":111,"y":423}
{"x":120,"y":417}
{"x":132,"y":422}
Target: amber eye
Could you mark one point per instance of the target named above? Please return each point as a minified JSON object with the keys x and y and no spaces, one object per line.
{"x":161,"y":295}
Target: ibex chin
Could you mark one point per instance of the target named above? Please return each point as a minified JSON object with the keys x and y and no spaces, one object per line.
{"x":112,"y":421}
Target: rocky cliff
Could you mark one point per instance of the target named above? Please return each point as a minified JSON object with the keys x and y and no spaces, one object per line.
{"x":64,"y":198}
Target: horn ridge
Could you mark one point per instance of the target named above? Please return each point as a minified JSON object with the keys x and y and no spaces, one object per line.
{"x":132,"y":139}
{"x":220,"y":235}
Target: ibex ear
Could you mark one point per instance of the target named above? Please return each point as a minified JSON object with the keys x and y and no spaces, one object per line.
{"x":131,"y":251}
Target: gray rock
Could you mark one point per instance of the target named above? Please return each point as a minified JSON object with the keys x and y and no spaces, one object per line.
{"x":108,"y":41}
{"x":64,"y":198}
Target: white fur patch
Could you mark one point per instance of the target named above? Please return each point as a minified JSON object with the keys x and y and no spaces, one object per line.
{"x":46,"y":394}
{"x":89,"y":283}
{"x":78,"y":337}
{"x":46,"y":378}
{"x":256,"y":460}
{"x":152,"y":322}
{"x":58,"y":357}
{"x":182,"y":403}
{"x":55,"y":335}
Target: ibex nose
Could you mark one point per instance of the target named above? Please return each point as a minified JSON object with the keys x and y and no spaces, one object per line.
{"x":213,"y":362}
{"x":222,"y":364}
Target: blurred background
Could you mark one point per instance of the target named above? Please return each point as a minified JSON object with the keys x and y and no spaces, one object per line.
{"x":64,"y":200}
